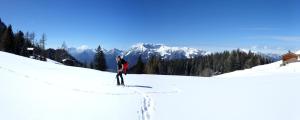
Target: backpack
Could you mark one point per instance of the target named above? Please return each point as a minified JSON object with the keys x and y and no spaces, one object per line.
{"x":125,"y":65}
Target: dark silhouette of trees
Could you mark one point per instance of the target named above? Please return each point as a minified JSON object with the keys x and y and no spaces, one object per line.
{"x":152,"y":67}
{"x":7,"y":40}
{"x":20,"y":47}
{"x":2,"y":29}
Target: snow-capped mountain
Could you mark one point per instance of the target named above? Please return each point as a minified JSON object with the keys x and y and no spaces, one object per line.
{"x":271,"y":56}
{"x":82,"y":53}
{"x":110,"y":56}
{"x":166,"y":52}
{"x":86,"y":55}
{"x":146,"y":50}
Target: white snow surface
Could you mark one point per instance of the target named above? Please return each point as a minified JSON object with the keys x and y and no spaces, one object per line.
{"x":53,"y":61}
{"x":36,"y":90}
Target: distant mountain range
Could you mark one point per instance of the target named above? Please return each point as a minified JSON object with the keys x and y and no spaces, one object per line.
{"x":145,"y":50}
{"x":83,"y":54}
{"x":166,"y":52}
{"x":272,"y":56}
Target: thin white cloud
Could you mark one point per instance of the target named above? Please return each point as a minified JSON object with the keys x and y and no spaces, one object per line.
{"x":259,"y":28}
{"x":286,"y":38}
{"x":268,"y":49}
{"x":280,"y":38}
{"x":82,"y":48}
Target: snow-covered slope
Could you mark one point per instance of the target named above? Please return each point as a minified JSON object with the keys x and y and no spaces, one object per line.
{"x":36,"y":90}
{"x":52,"y":61}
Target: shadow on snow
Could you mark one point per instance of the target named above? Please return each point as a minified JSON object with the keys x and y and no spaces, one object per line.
{"x":140,"y":86}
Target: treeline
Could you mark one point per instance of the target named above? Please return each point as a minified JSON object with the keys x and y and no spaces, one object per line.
{"x":208,"y":65}
{"x":17,"y":43}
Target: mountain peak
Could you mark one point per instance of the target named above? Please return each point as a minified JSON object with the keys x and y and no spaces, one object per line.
{"x":82,"y":48}
{"x":164,"y":51}
{"x":114,"y":51}
{"x":145,"y":46}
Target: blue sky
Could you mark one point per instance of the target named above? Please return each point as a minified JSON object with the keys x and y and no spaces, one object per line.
{"x":208,"y":24}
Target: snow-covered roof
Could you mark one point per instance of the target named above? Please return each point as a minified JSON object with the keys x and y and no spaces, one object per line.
{"x":30,"y":48}
{"x":298,"y":52}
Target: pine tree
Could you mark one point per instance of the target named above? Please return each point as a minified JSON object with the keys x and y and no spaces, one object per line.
{"x":2,"y":29}
{"x":139,"y":67}
{"x":152,"y":66}
{"x":64,"y":46}
{"x":63,"y":54}
{"x":31,"y":38}
{"x":84,"y":64}
{"x":7,"y":40}
{"x":19,"y":43}
{"x":100,"y":63}
{"x":43,"y":41}
{"x":28,"y":43}
{"x":42,"y":44}
{"x":92,"y":65}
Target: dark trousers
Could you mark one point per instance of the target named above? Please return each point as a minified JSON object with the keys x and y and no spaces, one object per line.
{"x":117,"y":76}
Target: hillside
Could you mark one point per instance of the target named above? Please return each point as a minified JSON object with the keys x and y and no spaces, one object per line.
{"x":36,"y":90}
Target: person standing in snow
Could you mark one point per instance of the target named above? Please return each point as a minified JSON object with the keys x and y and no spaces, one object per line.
{"x":121,"y":68}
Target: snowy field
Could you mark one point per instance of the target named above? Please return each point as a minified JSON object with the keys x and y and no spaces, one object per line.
{"x":36,"y":90}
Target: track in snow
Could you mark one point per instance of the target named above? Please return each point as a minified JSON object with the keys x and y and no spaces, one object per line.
{"x":147,"y":107}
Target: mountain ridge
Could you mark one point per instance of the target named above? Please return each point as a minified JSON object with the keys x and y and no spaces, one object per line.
{"x":146,"y":50}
